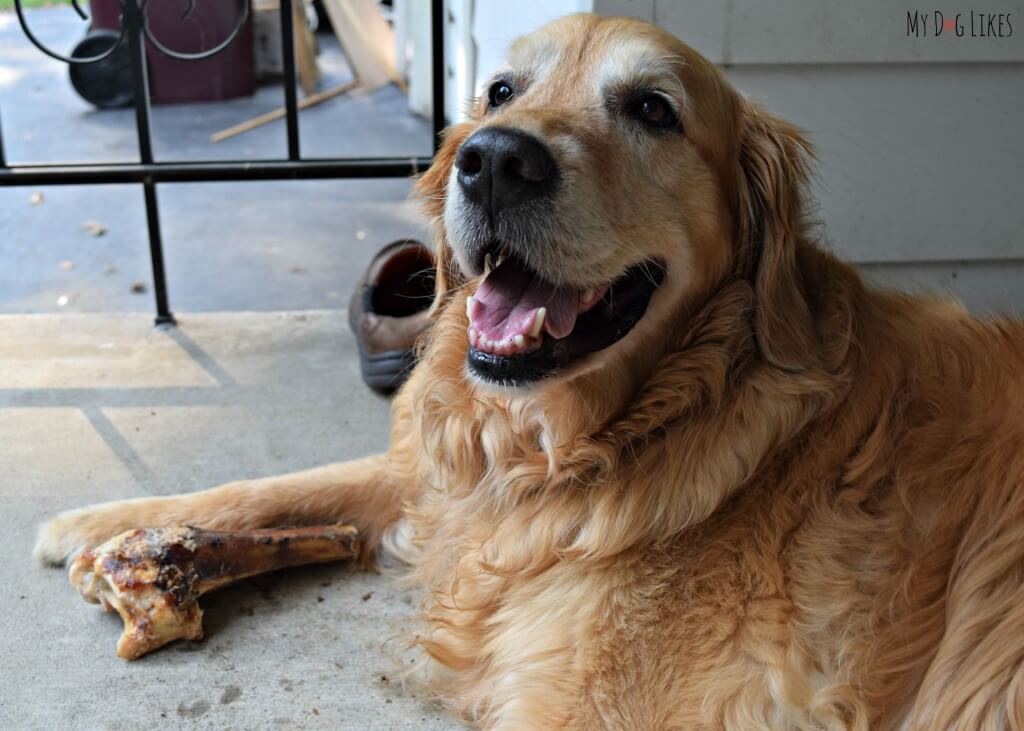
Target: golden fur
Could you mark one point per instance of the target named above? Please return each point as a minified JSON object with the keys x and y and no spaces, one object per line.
{"x":785,"y":500}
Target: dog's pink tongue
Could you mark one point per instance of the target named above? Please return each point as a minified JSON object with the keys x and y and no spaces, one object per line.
{"x":506,"y":302}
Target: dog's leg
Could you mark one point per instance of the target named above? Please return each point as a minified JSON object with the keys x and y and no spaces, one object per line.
{"x":366,"y":493}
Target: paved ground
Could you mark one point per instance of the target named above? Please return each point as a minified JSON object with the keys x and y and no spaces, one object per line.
{"x":249,"y":246}
{"x":99,"y":407}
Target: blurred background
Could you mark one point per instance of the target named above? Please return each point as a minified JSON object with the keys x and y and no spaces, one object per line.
{"x":917,"y":134}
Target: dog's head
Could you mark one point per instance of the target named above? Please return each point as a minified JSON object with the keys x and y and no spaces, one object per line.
{"x":608,"y":179}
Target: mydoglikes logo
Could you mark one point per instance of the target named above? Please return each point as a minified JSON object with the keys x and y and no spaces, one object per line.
{"x":973,"y":24}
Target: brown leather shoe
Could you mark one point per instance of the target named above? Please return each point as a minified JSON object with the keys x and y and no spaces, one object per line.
{"x":388,"y":312}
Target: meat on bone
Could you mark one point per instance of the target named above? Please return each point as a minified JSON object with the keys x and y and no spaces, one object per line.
{"x":153,"y":578}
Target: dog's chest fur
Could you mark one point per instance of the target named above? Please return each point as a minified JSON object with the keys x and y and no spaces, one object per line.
{"x":558,"y":604}
{"x":682,"y":636}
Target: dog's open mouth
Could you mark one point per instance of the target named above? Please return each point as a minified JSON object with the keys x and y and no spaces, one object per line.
{"x":523,"y":328}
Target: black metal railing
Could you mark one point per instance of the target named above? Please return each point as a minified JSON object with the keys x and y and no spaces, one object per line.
{"x":149,"y":172}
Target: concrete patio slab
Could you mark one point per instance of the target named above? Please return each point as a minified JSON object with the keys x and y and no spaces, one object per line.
{"x":99,"y":407}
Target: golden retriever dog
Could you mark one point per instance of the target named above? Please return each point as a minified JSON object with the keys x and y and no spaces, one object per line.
{"x":665,"y":463}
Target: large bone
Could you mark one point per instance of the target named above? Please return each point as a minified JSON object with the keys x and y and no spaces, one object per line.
{"x":154,"y":578}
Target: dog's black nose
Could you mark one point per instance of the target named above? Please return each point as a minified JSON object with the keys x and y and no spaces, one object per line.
{"x":500,"y":168}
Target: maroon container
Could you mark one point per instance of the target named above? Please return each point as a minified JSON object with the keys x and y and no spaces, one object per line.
{"x":229,"y":74}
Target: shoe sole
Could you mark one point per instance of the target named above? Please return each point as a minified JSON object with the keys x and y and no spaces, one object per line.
{"x":385,"y":372}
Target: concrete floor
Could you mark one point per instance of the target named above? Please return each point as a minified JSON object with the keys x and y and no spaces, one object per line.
{"x":243,"y":246}
{"x":100,"y":407}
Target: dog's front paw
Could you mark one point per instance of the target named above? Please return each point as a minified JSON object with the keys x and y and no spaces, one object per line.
{"x":66,"y":535}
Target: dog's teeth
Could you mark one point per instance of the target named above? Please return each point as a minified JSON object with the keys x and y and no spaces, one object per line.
{"x":502,"y":257}
{"x":469,"y":307}
{"x":538,"y":322}
{"x":519,"y":340}
{"x":488,"y":263}
{"x":473,"y":337}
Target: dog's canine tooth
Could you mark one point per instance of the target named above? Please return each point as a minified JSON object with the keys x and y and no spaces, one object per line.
{"x":488,"y":263}
{"x":473,"y":337}
{"x":538,"y":322}
{"x":469,"y":307}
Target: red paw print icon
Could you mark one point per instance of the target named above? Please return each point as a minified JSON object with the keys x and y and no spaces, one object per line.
{"x":949,"y":25}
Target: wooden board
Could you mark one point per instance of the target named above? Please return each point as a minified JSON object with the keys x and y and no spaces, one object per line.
{"x":310,"y":101}
{"x":366,"y":39}
{"x":305,"y":53}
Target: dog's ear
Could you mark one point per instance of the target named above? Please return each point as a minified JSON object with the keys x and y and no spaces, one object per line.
{"x":774,"y":162}
{"x":432,"y":189}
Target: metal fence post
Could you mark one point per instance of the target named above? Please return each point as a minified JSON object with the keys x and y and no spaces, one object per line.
{"x":438,"y":77}
{"x":132,"y":18}
{"x":291,"y":104}
{"x":3,"y":159}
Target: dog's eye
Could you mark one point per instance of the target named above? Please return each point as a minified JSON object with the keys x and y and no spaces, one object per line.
{"x":654,"y":111}
{"x":500,"y":93}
